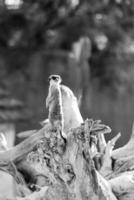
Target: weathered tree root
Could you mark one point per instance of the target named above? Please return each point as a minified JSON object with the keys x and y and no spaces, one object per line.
{"x":84,"y":167}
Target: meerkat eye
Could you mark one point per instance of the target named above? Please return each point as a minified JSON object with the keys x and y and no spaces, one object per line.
{"x":55,"y":78}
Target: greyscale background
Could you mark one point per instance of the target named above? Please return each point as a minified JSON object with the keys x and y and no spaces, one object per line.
{"x":90,"y":43}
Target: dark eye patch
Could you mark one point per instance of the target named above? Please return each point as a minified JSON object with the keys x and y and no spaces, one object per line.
{"x":56,"y":78}
{"x":53,"y":77}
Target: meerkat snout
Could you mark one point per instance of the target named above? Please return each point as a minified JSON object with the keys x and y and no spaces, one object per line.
{"x":55,"y":78}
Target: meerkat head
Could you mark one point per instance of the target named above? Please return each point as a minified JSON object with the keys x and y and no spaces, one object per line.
{"x":55,"y":79}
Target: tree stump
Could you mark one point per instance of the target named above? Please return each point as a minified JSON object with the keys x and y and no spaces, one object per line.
{"x":83,"y":167}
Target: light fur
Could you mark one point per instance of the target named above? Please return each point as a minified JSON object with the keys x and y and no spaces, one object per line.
{"x":54,"y":104}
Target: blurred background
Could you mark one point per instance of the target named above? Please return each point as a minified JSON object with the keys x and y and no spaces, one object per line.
{"x":90,"y":43}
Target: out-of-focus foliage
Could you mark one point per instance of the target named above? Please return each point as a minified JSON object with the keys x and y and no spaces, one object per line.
{"x":36,"y":37}
{"x":47,"y":24}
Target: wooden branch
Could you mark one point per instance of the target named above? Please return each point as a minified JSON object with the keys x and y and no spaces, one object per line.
{"x":101,"y":143}
{"x":18,"y":152}
{"x":123,"y":186}
{"x":106,"y":160}
{"x":105,"y":190}
{"x":26,"y":134}
{"x":126,"y":150}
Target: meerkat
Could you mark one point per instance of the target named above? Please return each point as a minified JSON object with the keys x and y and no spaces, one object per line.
{"x":72,"y":115}
{"x":54,"y":103}
{"x":66,"y":104}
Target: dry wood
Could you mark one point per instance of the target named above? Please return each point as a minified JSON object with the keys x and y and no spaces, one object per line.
{"x":126,"y":150}
{"x":18,"y":152}
{"x":67,"y":170}
{"x":106,"y":167}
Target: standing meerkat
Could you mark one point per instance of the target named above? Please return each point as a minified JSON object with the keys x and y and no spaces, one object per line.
{"x":63,"y":107}
{"x":54,"y":103}
{"x":65,"y":104}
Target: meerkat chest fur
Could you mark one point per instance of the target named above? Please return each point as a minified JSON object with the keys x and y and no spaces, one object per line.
{"x":54,"y":101}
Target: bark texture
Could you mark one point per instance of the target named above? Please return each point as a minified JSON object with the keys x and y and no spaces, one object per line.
{"x":83,"y":166}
